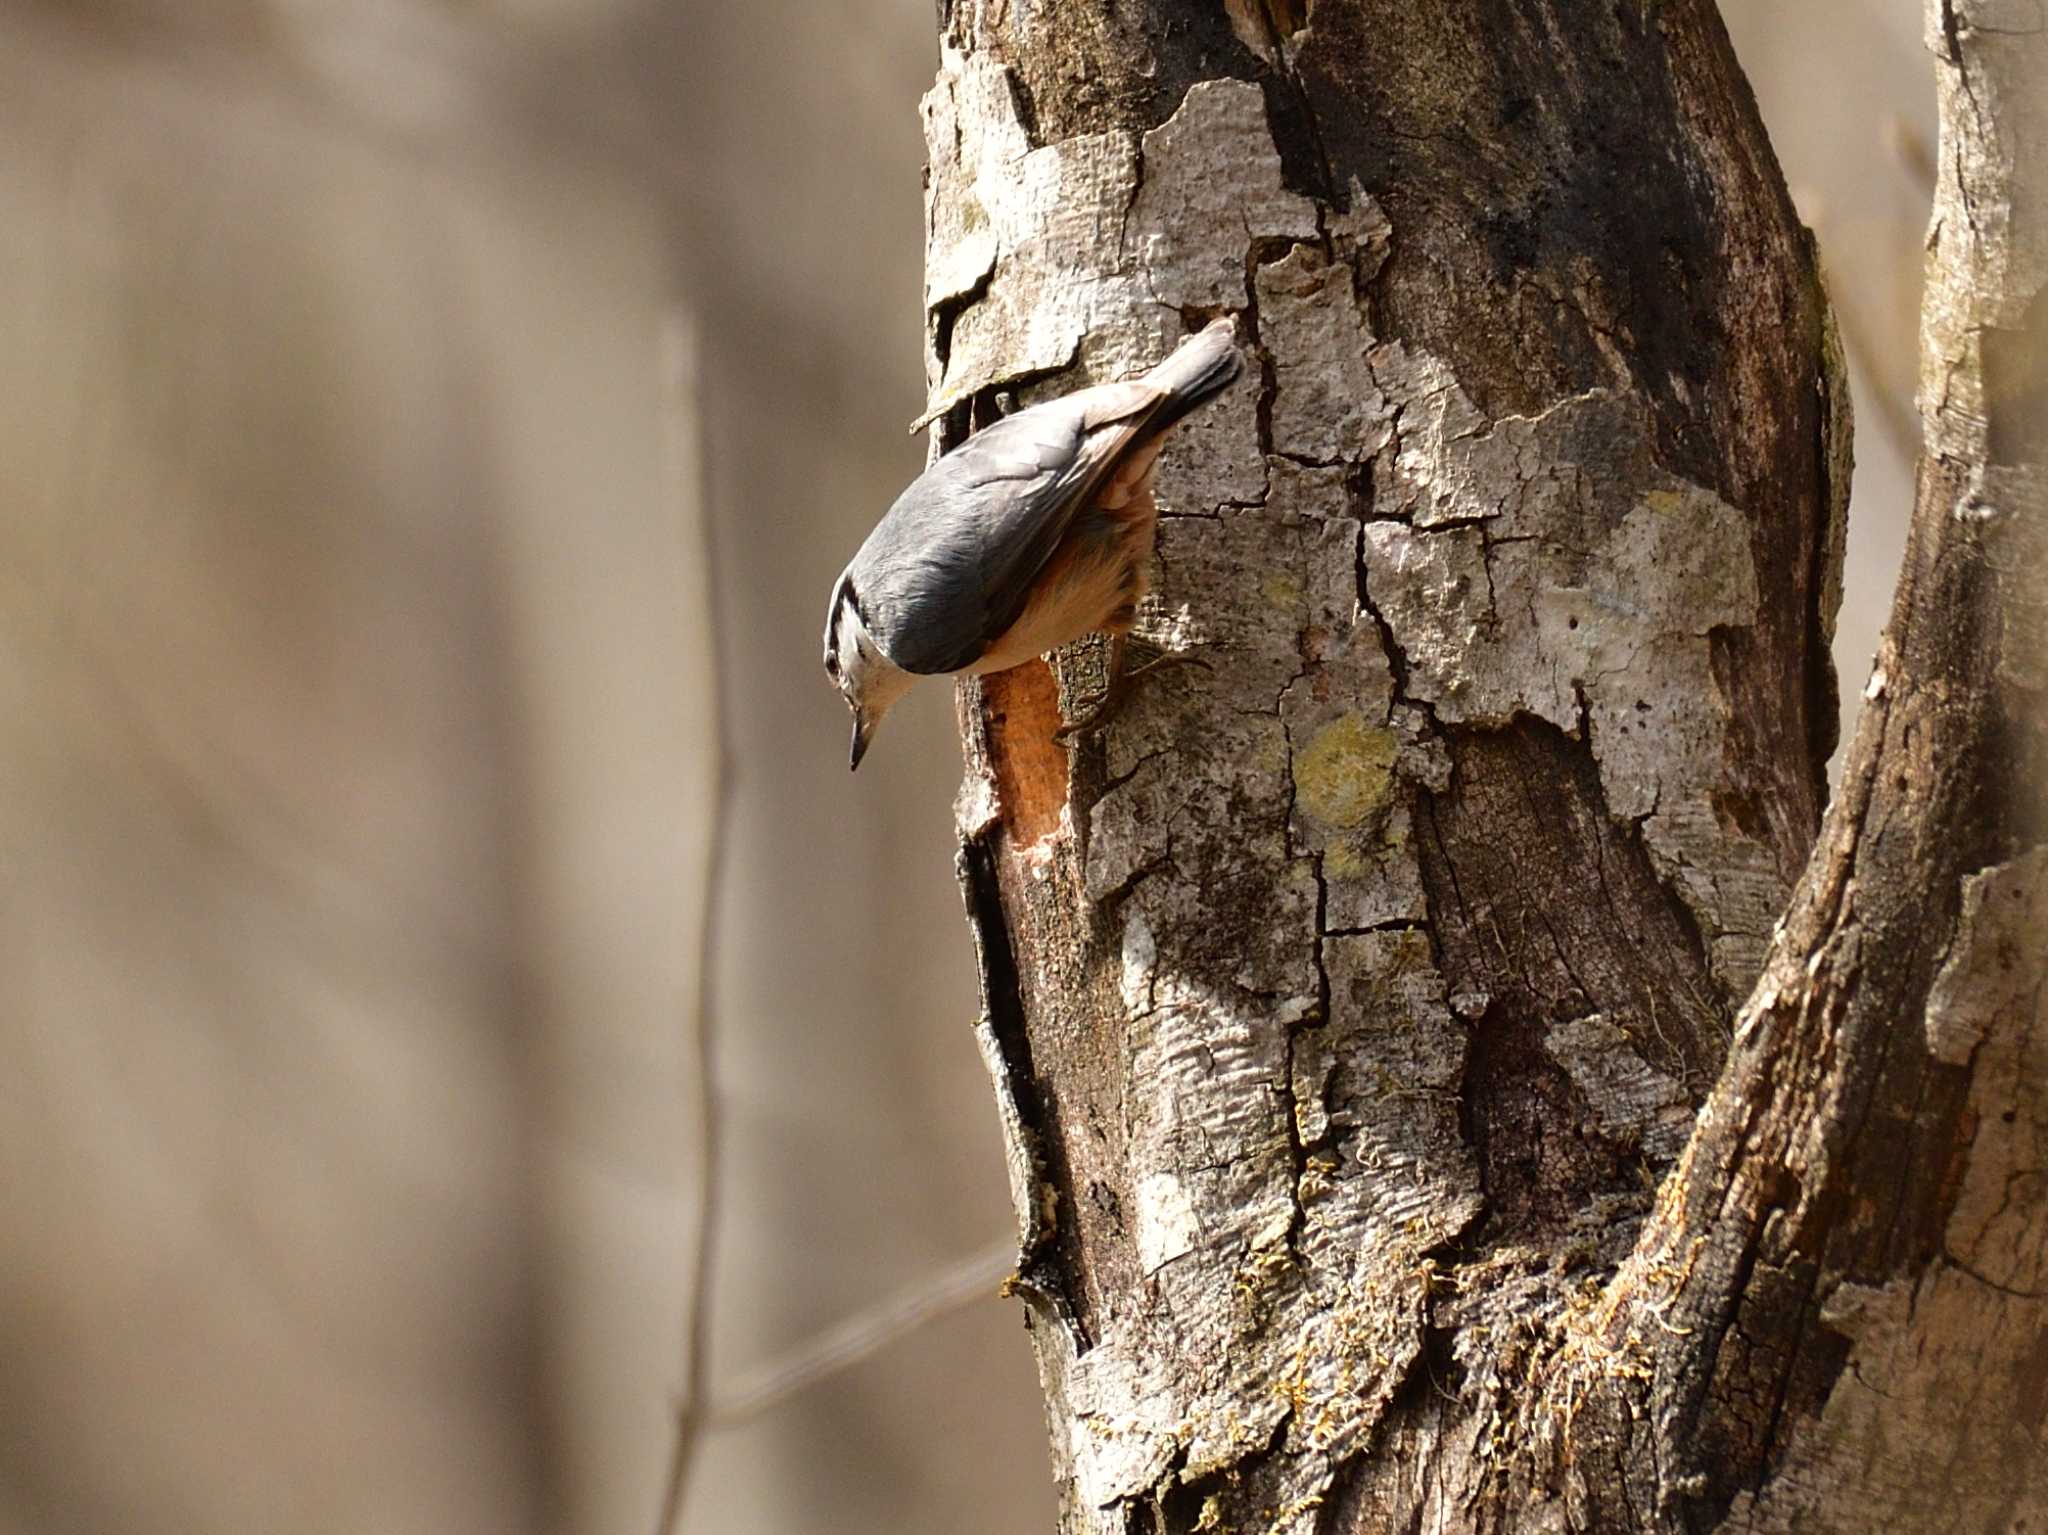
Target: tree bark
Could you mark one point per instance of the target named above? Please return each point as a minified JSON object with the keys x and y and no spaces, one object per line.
{"x":1416,"y":1116}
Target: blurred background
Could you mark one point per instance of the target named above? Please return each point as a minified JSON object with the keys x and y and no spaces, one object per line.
{"x":392,"y":397}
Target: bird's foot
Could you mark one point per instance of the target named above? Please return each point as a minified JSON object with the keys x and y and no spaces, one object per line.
{"x":1097,"y":716}
{"x":1164,"y":658}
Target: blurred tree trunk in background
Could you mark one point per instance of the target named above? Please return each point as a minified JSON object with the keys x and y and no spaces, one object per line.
{"x":1419,"y":1113}
{"x":354,"y":678}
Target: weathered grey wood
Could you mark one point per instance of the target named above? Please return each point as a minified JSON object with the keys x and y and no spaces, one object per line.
{"x":1352,"y":1002}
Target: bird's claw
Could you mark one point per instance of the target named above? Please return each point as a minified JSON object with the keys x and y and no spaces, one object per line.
{"x":1090,"y":723}
{"x":1166,"y":658}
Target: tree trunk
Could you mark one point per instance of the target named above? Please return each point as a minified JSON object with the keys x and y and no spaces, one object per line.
{"x":1392,"y":1142}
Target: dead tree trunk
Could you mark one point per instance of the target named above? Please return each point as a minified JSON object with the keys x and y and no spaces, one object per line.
{"x":1416,"y":1120}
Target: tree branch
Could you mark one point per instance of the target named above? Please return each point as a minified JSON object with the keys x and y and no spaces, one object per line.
{"x":861,"y":1336}
{"x":680,"y":374}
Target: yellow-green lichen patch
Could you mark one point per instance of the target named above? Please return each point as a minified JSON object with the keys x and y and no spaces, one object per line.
{"x":1344,"y":776}
{"x":1364,"y":853}
{"x":1282,"y":589}
{"x":1343,"y":859}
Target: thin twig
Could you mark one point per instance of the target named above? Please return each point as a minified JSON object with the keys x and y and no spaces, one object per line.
{"x":863,"y":1334}
{"x":679,"y":364}
{"x":868,"y":1332}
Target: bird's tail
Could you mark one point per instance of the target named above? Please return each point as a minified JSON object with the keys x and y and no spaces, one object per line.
{"x":1201,"y":368}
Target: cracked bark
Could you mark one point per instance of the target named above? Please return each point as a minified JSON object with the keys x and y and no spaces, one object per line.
{"x":1450,"y":1076}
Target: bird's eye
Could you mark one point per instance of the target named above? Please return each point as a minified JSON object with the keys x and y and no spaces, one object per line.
{"x":832,"y":667}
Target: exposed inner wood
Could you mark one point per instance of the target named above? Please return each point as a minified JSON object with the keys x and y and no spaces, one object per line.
{"x":1023,"y":711}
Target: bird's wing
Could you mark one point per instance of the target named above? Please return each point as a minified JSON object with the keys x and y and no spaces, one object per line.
{"x":951,"y":566}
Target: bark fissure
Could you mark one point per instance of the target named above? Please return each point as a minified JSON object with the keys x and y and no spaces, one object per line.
{"x":1045,"y":1272}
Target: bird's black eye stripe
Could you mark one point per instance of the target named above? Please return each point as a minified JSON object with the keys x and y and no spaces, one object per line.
{"x":846,"y":599}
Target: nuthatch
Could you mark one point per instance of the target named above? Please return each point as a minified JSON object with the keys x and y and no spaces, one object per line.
{"x":1035,"y":531}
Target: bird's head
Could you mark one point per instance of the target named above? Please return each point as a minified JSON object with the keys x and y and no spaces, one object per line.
{"x":868,"y":680}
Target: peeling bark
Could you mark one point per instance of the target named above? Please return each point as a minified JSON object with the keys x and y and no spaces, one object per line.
{"x":1391,"y":1141}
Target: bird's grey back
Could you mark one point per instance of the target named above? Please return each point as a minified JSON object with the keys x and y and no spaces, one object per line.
{"x":950,"y":566}
{"x":936,"y":578}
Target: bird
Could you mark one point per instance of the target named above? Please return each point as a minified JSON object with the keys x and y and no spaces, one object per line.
{"x":1033,"y":532}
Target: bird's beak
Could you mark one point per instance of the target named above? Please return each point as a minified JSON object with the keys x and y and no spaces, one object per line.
{"x":861,"y":734}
